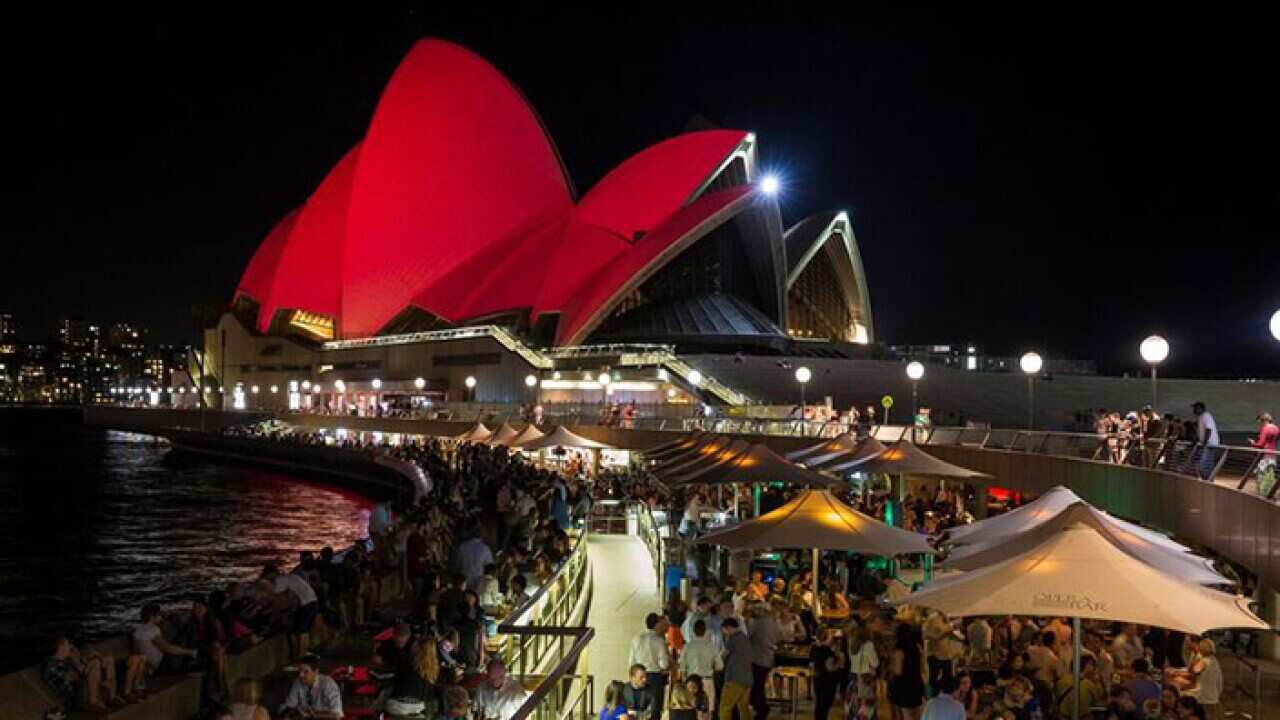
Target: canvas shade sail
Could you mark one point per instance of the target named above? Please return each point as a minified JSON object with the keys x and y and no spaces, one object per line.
{"x":755,"y":465}
{"x":818,"y":519}
{"x":904,"y":458}
{"x":477,"y":434}
{"x":706,"y":443}
{"x":681,"y":443}
{"x":688,"y":465}
{"x":840,"y":444}
{"x":503,"y":435}
{"x":562,"y":437}
{"x":1077,"y":572}
{"x":867,"y":450}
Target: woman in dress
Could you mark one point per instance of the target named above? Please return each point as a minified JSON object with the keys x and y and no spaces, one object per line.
{"x":906,"y":674}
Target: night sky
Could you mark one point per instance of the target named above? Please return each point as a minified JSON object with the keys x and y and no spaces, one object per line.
{"x":1069,"y":182}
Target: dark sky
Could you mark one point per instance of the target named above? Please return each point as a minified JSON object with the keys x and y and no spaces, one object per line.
{"x":1068,"y":179}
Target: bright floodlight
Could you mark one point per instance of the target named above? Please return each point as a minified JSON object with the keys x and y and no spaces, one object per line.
{"x":663,"y":375}
{"x":1031,"y":363}
{"x":254,"y":389}
{"x":1154,"y":350}
{"x":530,"y":380}
{"x":695,"y":378}
{"x":275,"y":389}
{"x":770,"y":185}
{"x":915,"y":370}
{"x":1275,"y":325}
{"x":604,"y":379}
{"x":803,"y":375}
{"x":419,"y":383}
{"x":376,"y":383}
{"x":470,"y":382}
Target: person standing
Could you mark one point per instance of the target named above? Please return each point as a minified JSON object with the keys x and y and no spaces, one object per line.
{"x":764,"y":642}
{"x":1207,"y":436}
{"x":827,"y":658}
{"x":702,"y":659}
{"x":906,"y":674}
{"x":293,"y":590}
{"x":1268,"y":433}
{"x":738,"y":675}
{"x":649,"y":648}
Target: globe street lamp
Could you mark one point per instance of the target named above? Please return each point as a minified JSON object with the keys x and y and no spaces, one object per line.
{"x":915,"y":371}
{"x":1154,"y":350}
{"x":419,"y":383}
{"x":470,"y":382}
{"x":803,"y":375}
{"x":1275,"y":325}
{"x":1031,"y":364}
{"x":531,"y":382}
{"x":695,"y":378}
{"x":376,"y":383}
{"x":603,"y":379}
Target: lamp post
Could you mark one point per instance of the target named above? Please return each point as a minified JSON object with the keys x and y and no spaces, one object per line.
{"x":803,"y":375}
{"x":1154,"y":350}
{"x":915,"y":371}
{"x":1031,"y":364}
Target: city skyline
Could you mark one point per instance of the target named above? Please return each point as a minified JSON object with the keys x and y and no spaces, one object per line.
{"x":1046,"y":204}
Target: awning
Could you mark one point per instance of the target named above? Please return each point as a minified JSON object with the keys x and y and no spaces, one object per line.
{"x":561,"y":437}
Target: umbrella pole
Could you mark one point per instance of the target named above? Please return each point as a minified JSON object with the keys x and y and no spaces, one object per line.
{"x":1075,"y":665}
{"x":817,"y":616}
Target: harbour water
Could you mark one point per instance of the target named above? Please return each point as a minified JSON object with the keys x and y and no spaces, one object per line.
{"x":95,"y":523}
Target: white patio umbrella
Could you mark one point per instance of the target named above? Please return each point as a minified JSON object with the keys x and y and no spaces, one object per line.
{"x":818,"y":520}
{"x":1077,"y":572}
{"x":1054,"y":501}
{"x":984,"y":549}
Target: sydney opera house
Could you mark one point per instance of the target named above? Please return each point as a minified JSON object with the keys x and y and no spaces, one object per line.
{"x":450,"y":244}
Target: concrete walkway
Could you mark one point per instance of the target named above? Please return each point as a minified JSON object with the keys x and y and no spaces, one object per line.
{"x":624,"y":591}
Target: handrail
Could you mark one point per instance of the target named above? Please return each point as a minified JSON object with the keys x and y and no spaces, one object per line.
{"x":550,"y":608}
{"x":649,"y":532}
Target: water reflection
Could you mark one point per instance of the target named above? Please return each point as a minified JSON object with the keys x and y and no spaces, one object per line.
{"x":93,"y":524}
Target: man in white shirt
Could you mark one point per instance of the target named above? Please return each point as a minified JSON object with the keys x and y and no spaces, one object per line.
{"x":499,"y":695}
{"x":294,"y":591}
{"x":1207,"y":436}
{"x":649,"y":648}
{"x":472,"y":555}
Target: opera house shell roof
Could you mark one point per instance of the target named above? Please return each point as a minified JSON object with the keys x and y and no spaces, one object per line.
{"x":455,"y":209}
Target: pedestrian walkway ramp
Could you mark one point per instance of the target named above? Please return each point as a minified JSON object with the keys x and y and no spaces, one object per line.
{"x":624,"y":590}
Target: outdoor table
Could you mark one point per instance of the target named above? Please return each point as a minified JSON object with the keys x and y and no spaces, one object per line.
{"x":792,"y":654}
{"x":791,"y":677}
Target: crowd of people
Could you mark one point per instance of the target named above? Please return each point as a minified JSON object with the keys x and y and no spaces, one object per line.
{"x":491,"y":530}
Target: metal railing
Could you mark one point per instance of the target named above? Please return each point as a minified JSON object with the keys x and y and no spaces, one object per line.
{"x":650,"y":533}
{"x":542,"y":632}
{"x":541,"y":624}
